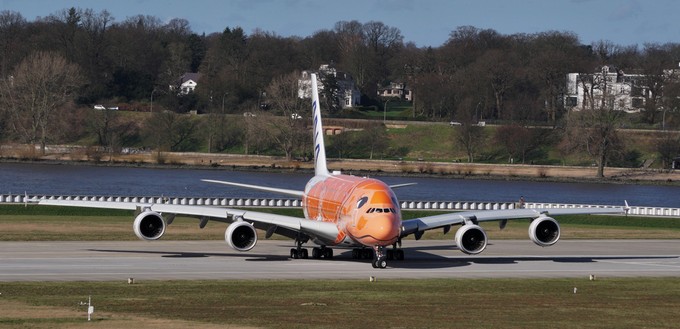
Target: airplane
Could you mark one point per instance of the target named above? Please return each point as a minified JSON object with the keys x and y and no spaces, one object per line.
{"x":341,"y":211}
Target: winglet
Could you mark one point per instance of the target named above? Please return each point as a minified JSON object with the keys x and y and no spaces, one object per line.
{"x":320,"y":168}
{"x":626,"y":209}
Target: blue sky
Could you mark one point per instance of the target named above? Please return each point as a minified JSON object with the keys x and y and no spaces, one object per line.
{"x":424,"y":22}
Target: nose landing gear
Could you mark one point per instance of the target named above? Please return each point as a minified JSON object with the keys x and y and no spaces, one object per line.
{"x":379,"y":259}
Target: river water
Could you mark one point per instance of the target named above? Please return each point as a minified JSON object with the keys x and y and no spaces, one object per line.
{"x":67,"y":179}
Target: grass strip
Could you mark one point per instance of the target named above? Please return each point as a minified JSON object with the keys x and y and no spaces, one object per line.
{"x":440,"y":303}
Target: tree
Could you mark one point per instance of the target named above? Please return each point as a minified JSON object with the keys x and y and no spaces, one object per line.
{"x":330,"y":94}
{"x":373,"y":140}
{"x":111,"y":130}
{"x":11,"y":26}
{"x":41,"y":85}
{"x":668,"y":148}
{"x":289,"y":131}
{"x":169,"y":131}
{"x":594,"y":129}
{"x":516,"y":140}
{"x":469,"y":135}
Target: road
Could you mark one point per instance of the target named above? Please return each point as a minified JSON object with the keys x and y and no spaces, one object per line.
{"x":193,"y":260}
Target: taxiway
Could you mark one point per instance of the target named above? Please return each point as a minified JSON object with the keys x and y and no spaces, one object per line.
{"x":209,"y":260}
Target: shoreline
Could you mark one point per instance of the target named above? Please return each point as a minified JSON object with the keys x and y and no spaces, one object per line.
{"x":478,"y":171}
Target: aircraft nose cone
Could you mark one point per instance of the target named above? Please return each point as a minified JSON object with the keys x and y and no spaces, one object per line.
{"x":383,"y":230}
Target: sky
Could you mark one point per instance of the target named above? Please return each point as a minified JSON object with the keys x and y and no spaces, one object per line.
{"x":423,"y":22}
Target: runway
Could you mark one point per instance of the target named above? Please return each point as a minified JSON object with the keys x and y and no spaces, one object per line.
{"x":209,"y":260}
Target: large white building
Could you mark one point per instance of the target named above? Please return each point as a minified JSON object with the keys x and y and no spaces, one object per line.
{"x":348,"y":91}
{"x":623,"y":91}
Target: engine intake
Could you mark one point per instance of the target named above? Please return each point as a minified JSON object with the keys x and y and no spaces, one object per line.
{"x":149,"y":225}
{"x":544,"y":231}
{"x":471,"y":239}
{"x":241,"y":236}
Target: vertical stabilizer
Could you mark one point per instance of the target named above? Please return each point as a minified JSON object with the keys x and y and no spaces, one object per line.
{"x":320,"y":168}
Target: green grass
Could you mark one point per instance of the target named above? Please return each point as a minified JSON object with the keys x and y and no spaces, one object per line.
{"x":441,"y":303}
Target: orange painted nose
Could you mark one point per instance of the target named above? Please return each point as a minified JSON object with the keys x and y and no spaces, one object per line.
{"x":382,"y":230}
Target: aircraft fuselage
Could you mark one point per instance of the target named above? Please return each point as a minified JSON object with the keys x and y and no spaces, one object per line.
{"x":365,"y":210}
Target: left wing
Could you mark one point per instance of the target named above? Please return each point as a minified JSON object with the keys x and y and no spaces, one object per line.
{"x":470,"y":237}
{"x":432,"y":222}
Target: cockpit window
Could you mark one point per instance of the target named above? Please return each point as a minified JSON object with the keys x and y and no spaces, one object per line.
{"x":362,"y":202}
{"x":381,"y":210}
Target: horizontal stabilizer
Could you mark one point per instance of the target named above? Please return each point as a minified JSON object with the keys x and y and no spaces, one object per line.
{"x":294,"y":193}
{"x":402,"y":185}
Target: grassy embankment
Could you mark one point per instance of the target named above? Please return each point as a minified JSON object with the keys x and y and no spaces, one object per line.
{"x":478,"y":303}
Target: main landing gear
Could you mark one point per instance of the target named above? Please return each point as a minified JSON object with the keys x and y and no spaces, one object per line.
{"x":317,"y":253}
{"x":299,"y":252}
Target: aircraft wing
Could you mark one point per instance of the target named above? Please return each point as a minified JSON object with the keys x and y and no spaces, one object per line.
{"x":437,"y":221}
{"x":281,"y":223}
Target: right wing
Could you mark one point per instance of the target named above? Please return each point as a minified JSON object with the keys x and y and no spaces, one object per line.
{"x":286,"y":225}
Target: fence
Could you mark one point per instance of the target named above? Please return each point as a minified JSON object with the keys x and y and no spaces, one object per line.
{"x":278,"y":202}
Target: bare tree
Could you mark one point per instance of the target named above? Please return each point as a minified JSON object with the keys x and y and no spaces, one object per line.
{"x":11,"y":26}
{"x":668,"y":148}
{"x":517,"y":141}
{"x":594,"y":129}
{"x":470,"y":136}
{"x":42,"y":84}
{"x":289,"y":131}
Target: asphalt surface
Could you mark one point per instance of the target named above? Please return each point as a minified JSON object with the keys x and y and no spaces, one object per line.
{"x":192,"y":260}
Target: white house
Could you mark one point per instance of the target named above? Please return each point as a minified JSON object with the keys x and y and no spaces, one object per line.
{"x":625,"y":91}
{"x":348,"y":91}
{"x":396,"y":90}
{"x":187,"y":83}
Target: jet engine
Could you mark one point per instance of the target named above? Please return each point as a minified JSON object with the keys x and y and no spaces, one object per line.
{"x":149,"y":225}
{"x":241,"y":236}
{"x":471,"y":239}
{"x":544,"y":231}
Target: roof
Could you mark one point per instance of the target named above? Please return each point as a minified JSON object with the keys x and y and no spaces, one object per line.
{"x":190,"y":76}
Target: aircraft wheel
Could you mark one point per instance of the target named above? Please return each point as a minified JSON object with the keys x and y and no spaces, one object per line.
{"x":294,"y":254}
{"x":316,"y":253}
{"x":379,"y":263}
{"x":328,"y":253}
{"x":305,"y":254}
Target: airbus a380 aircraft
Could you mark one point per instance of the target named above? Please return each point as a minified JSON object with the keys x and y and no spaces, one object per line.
{"x":340,"y":211}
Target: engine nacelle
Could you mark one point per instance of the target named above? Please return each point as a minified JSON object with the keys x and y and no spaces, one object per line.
{"x":471,"y":239}
{"x":544,"y":231}
{"x":241,"y":236}
{"x":149,"y":225}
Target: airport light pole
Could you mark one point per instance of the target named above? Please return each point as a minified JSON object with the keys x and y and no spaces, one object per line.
{"x":385,"y":111}
{"x":154,"y":90}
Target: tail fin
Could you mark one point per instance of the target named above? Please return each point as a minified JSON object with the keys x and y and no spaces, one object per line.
{"x":320,"y":168}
